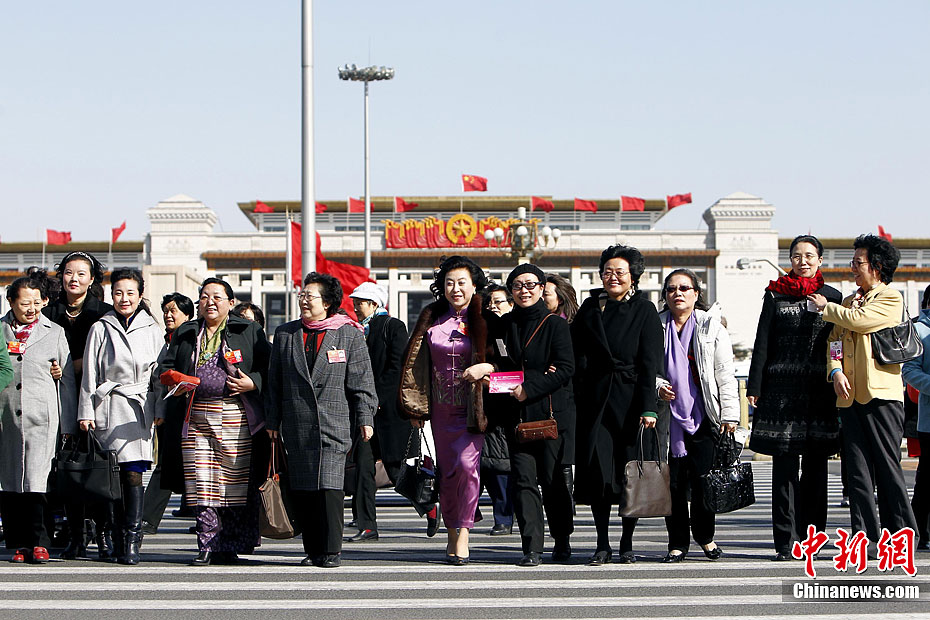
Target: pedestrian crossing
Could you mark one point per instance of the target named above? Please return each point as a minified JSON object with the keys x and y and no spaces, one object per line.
{"x":403,"y":575}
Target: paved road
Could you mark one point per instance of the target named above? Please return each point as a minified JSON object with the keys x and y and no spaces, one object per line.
{"x":402,"y":576}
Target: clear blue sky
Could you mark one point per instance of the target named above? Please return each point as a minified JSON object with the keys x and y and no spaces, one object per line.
{"x":821,"y":108}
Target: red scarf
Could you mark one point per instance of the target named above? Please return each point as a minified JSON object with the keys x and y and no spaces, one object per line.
{"x":796,"y":286}
{"x":21,"y":332}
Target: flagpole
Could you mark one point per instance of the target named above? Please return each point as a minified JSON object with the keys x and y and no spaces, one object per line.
{"x":110,"y":252}
{"x":288,"y":283}
{"x":43,"y":251}
{"x":307,"y":202}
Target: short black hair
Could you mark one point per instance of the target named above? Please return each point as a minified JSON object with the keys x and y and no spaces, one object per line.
{"x":130,"y":273}
{"x":925,"y":302}
{"x":330,"y":290}
{"x":223,"y":283}
{"x":253,"y":308}
{"x":49,"y":287}
{"x":701,"y":303}
{"x":31,"y":282}
{"x":497,"y":288}
{"x":183,"y":302}
{"x":628,"y":253}
{"x":811,"y":239}
{"x":478,"y":277}
{"x":883,"y":257}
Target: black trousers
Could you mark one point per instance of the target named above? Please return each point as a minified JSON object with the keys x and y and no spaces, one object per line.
{"x":920,"y":503}
{"x":500,"y":490}
{"x":799,"y":497}
{"x":320,"y":516}
{"x":24,"y":520}
{"x":684,"y":474}
{"x":363,"y":500}
{"x":872,"y":436}
{"x":527,"y":462}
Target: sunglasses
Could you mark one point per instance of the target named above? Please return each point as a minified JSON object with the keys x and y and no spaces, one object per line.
{"x":684,"y":288}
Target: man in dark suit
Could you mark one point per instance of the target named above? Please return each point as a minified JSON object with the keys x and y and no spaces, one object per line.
{"x":386,"y":337}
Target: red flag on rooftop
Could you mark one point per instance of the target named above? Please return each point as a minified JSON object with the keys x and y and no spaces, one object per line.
{"x":585,"y":205}
{"x":678,"y":199}
{"x":357,"y":206}
{"x":261,"y":207}
{"x":320,"y":207}
{"x":883,"y":234}
{"x":55,"y":237}
{"x":471,"y":183}
{"x":541,"y":204}
{"x":629,"y":203}
{"x":349,"y":276}
{"x":402,"y":206}
{"x":116,"y":232}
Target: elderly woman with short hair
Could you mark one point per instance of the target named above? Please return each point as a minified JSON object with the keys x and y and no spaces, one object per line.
{"x":320,"y":384}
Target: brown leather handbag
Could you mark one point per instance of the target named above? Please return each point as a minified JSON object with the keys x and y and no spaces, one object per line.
{"x":543,"y":429}
{"x":645,"y":486}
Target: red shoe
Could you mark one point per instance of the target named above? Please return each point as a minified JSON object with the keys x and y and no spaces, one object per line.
{"x":39,"y":555}
{"x":19,"y":556}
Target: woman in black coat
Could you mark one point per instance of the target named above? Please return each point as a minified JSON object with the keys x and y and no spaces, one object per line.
{"x":618,"y":345}
{"x":531,"y":339}
{"x":795,"y":418}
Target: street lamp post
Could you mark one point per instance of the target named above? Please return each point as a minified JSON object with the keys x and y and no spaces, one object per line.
{"x":524,"y":241}
{"x":366,"y":74}
{"x":744,"y":263}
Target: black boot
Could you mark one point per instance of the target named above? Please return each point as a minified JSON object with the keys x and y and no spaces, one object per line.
{"x":103,"y":517}
{"x":76,"y":547}
{"x":118,"y":530}
{"x":570,"y":484}
{"x":132,"y":532}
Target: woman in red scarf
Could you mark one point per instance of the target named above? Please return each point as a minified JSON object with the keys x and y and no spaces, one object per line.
{"x":795,"y":418}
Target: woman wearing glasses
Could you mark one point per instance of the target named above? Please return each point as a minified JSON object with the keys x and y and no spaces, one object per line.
{"x":870,"y":395}
{"x":700,"y":387}
{"x":221,"y":438}
{"x":795,"y":417}
{"x":320,"y":384}
{"x":532,"y":340}
{"x":617,"y":339}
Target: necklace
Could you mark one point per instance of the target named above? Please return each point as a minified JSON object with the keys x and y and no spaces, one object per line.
{"x":76,"y":314}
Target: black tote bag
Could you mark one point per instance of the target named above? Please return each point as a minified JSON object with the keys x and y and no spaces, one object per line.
{"x":728,"y":486}
{"x":418,"y":481}
{"x":87,"y":472}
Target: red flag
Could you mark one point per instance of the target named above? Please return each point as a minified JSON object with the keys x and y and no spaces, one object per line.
{"x":628,"y":203}
{"x":261,"y":207}
{"x":358,"y":206}
{"x":320,"y":207}
{"x":585,"y":205}
{"x":402,"y":206}
{"x":883,"y":234}
{"x":471,"y":183}
{"x":678,"y":199}
{"x":54,"y":237}
{"x":542,"y":205}
{"x":116,"y":232}
{"x":349,"y":276}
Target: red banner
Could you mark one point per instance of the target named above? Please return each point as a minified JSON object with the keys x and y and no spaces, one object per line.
{"x":55,"y":237}
{"x":629,"y":203}
{"x":459,"y":231}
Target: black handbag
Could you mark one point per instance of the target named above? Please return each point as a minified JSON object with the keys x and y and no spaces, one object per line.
{"x":728,"y":485}
{"x":646,"y":490}
{"x":418,"y":481}
{"x":87,"y":472}
{"x":898,"y":344}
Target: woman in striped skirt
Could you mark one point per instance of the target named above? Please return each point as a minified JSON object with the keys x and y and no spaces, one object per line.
{"x":230,"y":357}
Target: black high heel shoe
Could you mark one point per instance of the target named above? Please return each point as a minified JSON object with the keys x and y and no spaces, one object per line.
{"x":671,"y":558}
{"x":713,"y":554}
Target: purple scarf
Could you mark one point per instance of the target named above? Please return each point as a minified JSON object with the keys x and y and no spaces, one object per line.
{"x":332,"y":322}
{"x":687,"y":408}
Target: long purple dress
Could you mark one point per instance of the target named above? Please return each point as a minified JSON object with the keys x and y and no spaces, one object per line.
{"x":458,"y":452}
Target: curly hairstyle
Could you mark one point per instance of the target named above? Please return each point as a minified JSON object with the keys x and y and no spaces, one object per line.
{"x":811,"y":239}
{"x":253,"y":308}
{"x":883,"y":257}
{"x":628,"y":253}
{"x":183,"y":302}
{"x":96,"y":271}
{"x":565,"y":293}
{"x":128,"y":273}
{"x":478,"y":277}
{"x":330,"y":290}
{"x":49,"y":287}
{"x":32,"y":281}
{"x":701,"y":303}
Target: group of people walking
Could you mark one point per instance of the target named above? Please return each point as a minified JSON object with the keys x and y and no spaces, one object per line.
{"x":610,"y":381}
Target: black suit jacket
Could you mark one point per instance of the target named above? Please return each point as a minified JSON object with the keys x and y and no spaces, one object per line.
{"x":387,"y":339}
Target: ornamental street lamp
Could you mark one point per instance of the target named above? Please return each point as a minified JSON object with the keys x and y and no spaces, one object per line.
{"x":744,"y":263}
{"x":523,"y":241}
{"x":366,"y":74}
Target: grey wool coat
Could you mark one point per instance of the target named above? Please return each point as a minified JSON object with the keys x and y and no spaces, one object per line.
{"x":119,"y":390}
{"x":316,"y":409}
{"x":34,"y":406}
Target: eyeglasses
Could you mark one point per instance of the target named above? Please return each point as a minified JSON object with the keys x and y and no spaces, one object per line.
{"x":530,"y":286}
{"x":215,"y":299}
{"x":499,"y":302}
{"x":610,"y":273}
{"x":308,"y":297}
{"x":796,"y":258}
{"x":855,"y":264}
{"x":684,"y":288}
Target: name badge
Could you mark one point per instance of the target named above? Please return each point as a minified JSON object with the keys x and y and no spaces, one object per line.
{"x":233,"y":357}
{"x":15,"y":346}
{"x":336,"y":356}
{"x":836,"y":350}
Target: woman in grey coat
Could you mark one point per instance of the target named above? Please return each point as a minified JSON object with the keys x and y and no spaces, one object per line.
{"x":32,"y":409}
{"x":118,"y":397}
{"x":320,"y":384}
